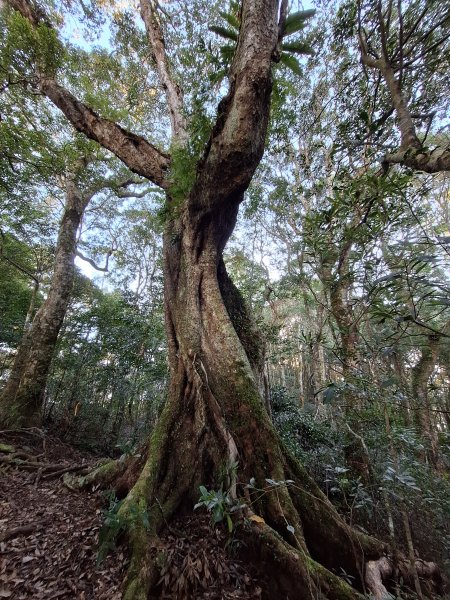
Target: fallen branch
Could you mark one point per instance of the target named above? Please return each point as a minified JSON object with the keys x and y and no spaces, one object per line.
{"x":73,"y":469}
{"x":21,"y":530}
{"x":28,"y":431}
{"x":53,"y":469}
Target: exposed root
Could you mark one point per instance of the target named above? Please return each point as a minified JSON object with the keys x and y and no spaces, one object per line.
{"x":103,"y":476}
{"x":376,"y":572}
{"x":379,"y":571}
{"x":295,"y":574}
{"x":301,"y":535}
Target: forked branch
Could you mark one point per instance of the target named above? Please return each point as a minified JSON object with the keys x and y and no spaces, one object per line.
{"x":412,"y":153}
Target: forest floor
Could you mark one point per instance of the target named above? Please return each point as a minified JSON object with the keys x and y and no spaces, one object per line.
{"x":49,"y":535}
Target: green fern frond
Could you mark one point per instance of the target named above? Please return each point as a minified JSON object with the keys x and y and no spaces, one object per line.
{"x":291,"y":62}
{"x":230,"y":19}
{"x":297,"y":21}
{"x":298,"y":48}
{"x":225,"y":33}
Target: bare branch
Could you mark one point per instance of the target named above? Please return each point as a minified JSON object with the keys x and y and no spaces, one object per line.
{"x":93,"y":263}
{"x":139,"y":155}
{"x":174,"y":95}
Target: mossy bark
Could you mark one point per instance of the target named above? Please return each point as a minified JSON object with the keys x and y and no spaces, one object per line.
{"x":214,"y":417}
{"x":22,"y":396}
{"x":420,"y":375}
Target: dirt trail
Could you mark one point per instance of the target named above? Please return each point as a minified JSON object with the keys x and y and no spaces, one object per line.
{"x":48,"y":534}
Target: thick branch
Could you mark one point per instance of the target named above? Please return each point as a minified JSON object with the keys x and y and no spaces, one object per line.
{"x":435,"y":160}
{"x":139,"y":155}
{"x":172,"y":91}
{"x":237,"y":141}
{"x":135,"y":151}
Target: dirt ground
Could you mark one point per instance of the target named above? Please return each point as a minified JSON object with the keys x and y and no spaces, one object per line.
{"x":49,"y":535}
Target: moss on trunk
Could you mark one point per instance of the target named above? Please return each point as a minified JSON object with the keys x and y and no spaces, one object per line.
{"x":214,"y":417}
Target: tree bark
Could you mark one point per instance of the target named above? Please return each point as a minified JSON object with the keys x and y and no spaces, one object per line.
{"x":420,"y":376}
{"x":22,"y":397}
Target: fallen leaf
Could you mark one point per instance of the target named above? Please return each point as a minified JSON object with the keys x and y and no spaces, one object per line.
{"x":256,"y":519}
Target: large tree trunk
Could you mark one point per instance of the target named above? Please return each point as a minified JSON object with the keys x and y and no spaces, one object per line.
{"x":22,"y":397}
{"x":215,"y":417}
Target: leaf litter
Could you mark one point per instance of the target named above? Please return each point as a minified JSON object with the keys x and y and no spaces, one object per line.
{"x":51,"y":532}
{"x":49,"y":536}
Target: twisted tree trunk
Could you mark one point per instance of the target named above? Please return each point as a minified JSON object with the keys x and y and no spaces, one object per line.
{"x":215,"y":417}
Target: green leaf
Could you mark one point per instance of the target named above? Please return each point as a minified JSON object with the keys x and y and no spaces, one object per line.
{"x":291,"y":63}
{"x":231,"y":19}
{"x":329,"y":393}
{"x":218,"y":514}
{"x":296,"y":21}
{"x":224,"y":32}
{"x":298,"y":48}
{"x":229,"y":523}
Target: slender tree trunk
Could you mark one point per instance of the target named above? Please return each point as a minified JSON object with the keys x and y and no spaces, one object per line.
{"x":22,"y":396}
{"x":31,"y":307}
{"x":345,"y":321}
{"x":420,"y":375}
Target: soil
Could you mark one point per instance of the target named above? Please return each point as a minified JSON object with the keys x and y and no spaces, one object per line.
{"x":57,"y":557}
{"x":49,"y":535}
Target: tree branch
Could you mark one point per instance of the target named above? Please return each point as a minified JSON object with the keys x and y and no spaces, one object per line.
{"x":174,"y":95}
{"x":93,"y":263}
{"x":135,"y":151}
{"x":411,"y":152}
{"x":15,"y":264}
{"x":436,"y":160}
{"x":140,"y":156}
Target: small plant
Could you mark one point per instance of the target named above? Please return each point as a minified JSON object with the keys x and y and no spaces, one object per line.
{"x":127,"y":449}
{"x":114,"y":524}
{"x":111,"y":528}
{"x":221,"y":505}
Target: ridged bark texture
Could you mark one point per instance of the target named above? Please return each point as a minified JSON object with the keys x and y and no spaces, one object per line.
{"x":21,"y":398}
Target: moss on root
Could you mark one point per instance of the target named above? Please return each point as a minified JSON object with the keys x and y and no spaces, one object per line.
{"x":298,"y":576}
{"x":103,"y":475}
